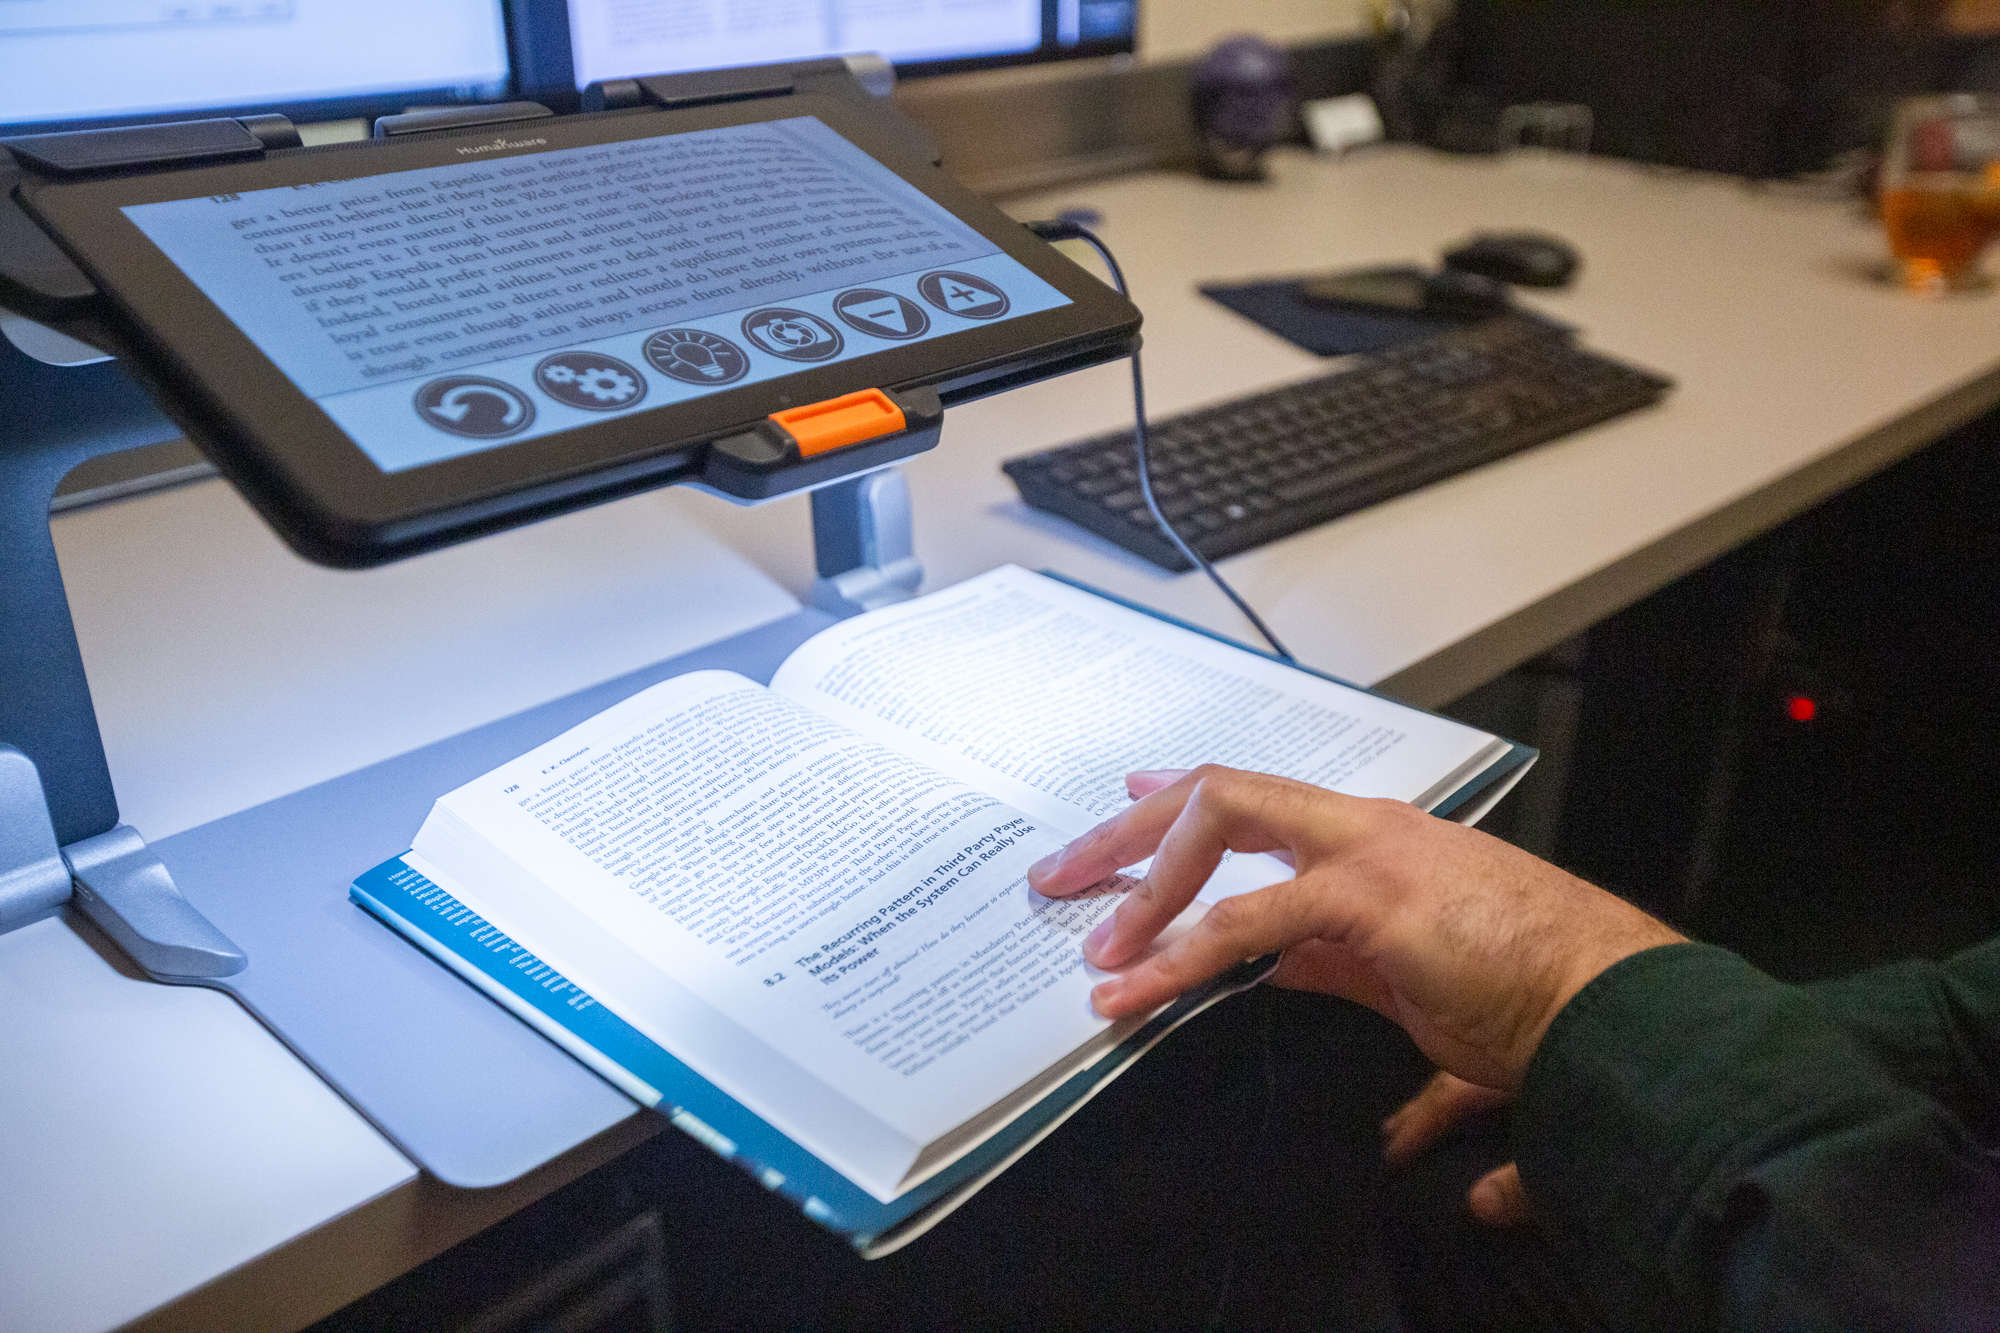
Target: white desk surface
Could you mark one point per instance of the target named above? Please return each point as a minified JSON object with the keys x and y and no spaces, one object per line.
{"x":1797,"y":375}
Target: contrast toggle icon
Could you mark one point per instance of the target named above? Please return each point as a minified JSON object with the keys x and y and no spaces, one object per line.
{"x":792,"y":334}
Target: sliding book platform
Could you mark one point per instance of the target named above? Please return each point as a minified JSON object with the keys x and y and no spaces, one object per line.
{"x":470,"y":1093}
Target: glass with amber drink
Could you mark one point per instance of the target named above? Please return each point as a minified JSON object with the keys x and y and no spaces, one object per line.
{"x":1941,"y":189}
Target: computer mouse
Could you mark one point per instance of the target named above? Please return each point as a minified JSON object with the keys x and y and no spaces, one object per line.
{"x":1451,"y":291}
{"x":1524,"y":258}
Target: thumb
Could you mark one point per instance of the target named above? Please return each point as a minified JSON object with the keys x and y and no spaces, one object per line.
{"x":1498,"y":1199}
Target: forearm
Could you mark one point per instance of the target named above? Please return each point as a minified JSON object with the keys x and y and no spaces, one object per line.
{"x":1709,"y":1146}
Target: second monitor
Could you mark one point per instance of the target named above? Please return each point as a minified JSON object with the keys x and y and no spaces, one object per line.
{"x":562,"y":46}
{"x":69,"y":64}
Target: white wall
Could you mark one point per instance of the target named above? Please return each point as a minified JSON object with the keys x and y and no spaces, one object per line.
{"x":1178,"y":29}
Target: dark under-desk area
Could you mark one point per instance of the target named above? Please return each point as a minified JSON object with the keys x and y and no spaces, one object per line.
{"x":1647,"y":601}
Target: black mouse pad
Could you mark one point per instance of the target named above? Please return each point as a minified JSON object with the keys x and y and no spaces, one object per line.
{"x":1322,"y":329}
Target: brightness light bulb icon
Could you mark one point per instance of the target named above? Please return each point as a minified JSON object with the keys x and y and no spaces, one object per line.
{"x":699,"y":358}
{"x":694,"y":356}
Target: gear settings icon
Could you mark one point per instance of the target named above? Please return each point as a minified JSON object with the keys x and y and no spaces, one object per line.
{"x":592,"y":381}
{"x":607,"y":385}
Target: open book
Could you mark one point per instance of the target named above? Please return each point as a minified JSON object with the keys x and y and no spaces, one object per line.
{"x":796,"y":918}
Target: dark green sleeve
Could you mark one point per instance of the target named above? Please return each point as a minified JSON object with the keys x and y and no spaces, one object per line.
{"x":1935,"y":1025}
{"x":1709,"y":1147}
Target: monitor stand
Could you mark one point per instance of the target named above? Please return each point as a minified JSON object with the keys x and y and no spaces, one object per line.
{"x":255,"y":904}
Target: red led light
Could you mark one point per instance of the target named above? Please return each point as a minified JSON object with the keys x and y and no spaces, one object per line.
{"x":1800,"y":709}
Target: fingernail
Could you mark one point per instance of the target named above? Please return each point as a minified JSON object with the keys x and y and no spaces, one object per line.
{"x":1106,"y":993}
{"x":1160,"y":776}
{"x":1045,"y":867}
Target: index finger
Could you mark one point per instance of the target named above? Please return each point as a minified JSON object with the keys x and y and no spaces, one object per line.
{"x":1126,"y":837}
{"x":1222,"y":810}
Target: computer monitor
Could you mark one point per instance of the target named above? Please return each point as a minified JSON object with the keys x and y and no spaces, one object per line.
{"x":562,"y":46}
{"x":73,"y":64}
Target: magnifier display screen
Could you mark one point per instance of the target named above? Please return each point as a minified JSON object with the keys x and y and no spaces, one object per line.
{"x":448,"y":310}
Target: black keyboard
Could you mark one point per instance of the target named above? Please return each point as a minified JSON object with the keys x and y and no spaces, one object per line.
{"x":1247,"y":472}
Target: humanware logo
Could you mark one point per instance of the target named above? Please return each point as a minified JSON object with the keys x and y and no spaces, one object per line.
{"x":499,"y":144}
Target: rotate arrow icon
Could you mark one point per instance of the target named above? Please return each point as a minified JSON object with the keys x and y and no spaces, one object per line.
{"x":457,"y":405}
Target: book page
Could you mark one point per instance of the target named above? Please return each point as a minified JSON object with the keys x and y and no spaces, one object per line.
{"x":1047,"y":696}
{"x":861,"y":914}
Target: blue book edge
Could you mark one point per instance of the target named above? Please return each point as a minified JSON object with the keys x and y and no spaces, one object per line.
{"x":427,"y":915}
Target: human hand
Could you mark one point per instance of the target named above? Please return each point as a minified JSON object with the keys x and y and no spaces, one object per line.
{"x":1496,"y":1198}
{"x":1467,"y":943}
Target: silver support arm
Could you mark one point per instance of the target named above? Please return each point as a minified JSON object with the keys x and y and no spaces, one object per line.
{"x":862,"y":544}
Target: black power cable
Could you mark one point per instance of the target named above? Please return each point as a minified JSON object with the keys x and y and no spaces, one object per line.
{"x":1070,"y":231}
{"x":1267,"y":1064}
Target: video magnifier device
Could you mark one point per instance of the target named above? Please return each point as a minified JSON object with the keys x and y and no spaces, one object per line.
{"x":756,"y":280}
